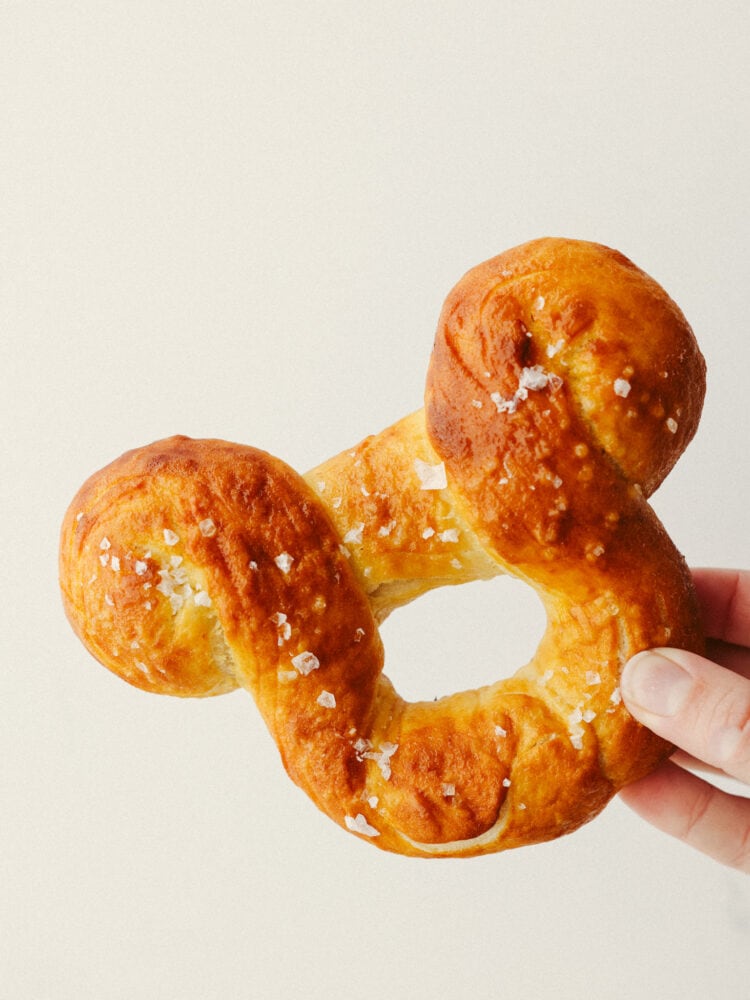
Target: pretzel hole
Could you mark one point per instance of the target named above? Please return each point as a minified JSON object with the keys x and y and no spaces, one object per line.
{"x":463,"y":637}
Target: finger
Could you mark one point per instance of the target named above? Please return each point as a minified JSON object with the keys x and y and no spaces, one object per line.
{"x":699,"y":706}
{"x":684,"y":806}
{"x":724,"y":596}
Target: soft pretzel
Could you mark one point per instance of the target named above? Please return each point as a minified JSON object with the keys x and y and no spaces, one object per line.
{"x":563,"y":385}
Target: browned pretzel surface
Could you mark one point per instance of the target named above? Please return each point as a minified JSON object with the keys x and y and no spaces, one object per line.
{"x":564,"y":384}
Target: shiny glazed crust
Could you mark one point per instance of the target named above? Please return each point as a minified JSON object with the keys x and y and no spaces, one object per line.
{"x":563,"y":385}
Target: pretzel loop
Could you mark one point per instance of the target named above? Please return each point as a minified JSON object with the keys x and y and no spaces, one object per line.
{"x":563,"y":385}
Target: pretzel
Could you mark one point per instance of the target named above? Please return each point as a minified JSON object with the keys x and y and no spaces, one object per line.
{"x":562,"y":387}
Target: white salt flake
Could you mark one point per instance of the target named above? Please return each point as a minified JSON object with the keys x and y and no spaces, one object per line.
{"x":105,"y":544}
{"x":115,"y":563}
{"x":477,"y":403}
{"x":358,"y":824}
{"x":449,"y":790}
{"x":354,"y":535}
{"x":531,"y":379}
{"x":104,"y":558}
{"x":449,"y":535}
{"x":140,"y":567}
{"x":373,"y":801}
{"x":359,"y":635}
{"x":499,"y":731}
{"x":428,"y":533}
{"x":553,"y":349}
{"x":170,"y":537}
{"x":305,"y":662}
{"x":593,"y":677}
{"x":207,"y":527}
{"x":382,"y":757}
{"x":672,"y":425}
{"x":326,"y":699}
{"x":622,"y":387}
{"x":284,"y":562}
{"x":539,"y":303}
{"x":615,"y":697}
{"x":589,"y":715}
{"x":431,"y":477}
{"x":108,"y":600}
{"x":506,"y":782}
{"x":283,"y":626}
{"x":202,"y":599}
{"x":386,"y":529}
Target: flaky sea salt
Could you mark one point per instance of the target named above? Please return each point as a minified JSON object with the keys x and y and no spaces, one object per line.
{"x":354,"y":535}
{"x":284,"y":562}
{"x":531,"y":379}
{"x":305,"y":662}
{"x":622,"y":387}
{"x":358,"y":824}
{"x":326,"y":699}
{"x":431,"y":477}
{"x":170,"y":537}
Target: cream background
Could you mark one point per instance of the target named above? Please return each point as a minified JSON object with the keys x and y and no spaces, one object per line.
{"x":240,"y":220}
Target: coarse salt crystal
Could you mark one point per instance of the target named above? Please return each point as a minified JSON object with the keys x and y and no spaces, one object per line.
{"x":431,"y":477}
{"x":506,"y":782}
{"x":386,"y":529}
{"x":553,"y":349}
{"x":326,"y":699}
{"x":354,"y":535}
{"x":115,"y":563}
{"x":593,"y":678}
{"x":539,"y":304}
{"x":207,"y":527}
{"x":428,"y":533}
{"x":499,"y":731}
{"x":622,"y":387}
{"x":449,"y":535}
{"x":358,"y":824}
{"x":105,"y":543}
{"x":284,"y":562}
{"x":170,"y":537}
{"x":672,"y":425}
{"x":202,"y":599}
{"x":615,"y":697}
{"x":449,"y":790}
{"x":104,"y":558}
{"x":140,"y":567}
{"x":305,"y":662}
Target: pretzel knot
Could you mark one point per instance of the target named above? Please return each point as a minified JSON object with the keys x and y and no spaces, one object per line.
{"x":563,"y":385}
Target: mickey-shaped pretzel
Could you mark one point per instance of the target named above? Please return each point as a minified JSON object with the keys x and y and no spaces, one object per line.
{"x":563,"y":385}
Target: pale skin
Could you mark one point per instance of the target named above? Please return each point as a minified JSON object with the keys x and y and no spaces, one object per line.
{"x":702,"y":706}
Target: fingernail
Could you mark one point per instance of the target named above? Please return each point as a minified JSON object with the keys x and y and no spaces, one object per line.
{"x":655,"y":683}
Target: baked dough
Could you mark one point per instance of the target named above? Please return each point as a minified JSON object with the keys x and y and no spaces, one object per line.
{"x":563,"y":385}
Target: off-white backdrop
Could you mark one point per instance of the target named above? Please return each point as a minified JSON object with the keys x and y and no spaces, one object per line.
{"x":239,"y":219}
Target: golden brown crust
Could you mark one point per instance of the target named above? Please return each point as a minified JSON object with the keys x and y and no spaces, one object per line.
{"x":563,"y":385}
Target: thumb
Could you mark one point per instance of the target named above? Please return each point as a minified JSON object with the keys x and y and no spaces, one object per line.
{"x":699,"y":706}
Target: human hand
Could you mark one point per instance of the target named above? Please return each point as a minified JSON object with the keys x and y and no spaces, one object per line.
{"x":703,"y":707}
